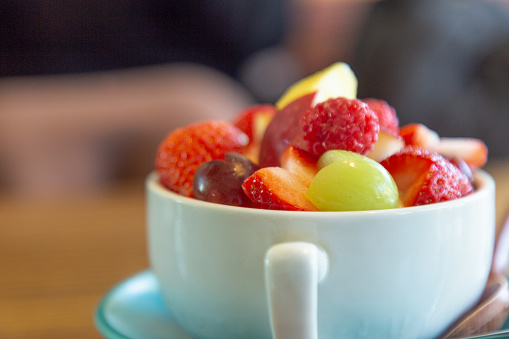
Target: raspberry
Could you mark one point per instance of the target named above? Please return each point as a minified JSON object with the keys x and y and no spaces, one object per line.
{"x":185,"y":149}
{"x":345,"y":124}
{"x":386,"y":114}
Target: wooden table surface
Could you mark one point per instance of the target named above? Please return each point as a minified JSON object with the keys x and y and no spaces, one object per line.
{"x":58,"y":257}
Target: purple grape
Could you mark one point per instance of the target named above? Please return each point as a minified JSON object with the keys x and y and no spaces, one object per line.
{"x":220,"y":181}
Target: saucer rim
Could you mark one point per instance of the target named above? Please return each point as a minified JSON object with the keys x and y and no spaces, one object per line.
{"x":102,"y":324}
{"x":106,"y":329}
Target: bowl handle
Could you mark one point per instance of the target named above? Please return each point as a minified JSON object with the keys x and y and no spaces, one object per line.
{"x":293,"y":271}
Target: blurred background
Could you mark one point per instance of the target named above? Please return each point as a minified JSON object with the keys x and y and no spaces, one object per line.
{"x":88,"y":89}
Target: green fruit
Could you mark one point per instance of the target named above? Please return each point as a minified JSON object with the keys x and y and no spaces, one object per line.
{"x":348,"y":181}
{"x":337,"y":80}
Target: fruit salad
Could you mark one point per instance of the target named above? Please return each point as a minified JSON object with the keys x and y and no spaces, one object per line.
{"x":318,"y":148}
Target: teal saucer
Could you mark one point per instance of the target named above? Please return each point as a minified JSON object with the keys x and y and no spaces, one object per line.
{"x":134,"y":310}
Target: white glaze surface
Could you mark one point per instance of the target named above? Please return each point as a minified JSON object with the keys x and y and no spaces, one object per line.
{"x":403,"y":273}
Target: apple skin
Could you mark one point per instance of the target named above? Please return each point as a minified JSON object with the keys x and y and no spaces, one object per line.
{"x":284,"y":130}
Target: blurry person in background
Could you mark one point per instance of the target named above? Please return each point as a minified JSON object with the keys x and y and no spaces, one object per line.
{"x":89,"y":88}
{"x":444,"y":63}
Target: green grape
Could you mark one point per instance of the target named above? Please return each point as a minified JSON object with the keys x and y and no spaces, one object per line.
{"x":348,"y":181}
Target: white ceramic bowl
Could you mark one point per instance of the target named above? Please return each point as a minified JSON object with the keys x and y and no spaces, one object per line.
{"x":400,"y":273}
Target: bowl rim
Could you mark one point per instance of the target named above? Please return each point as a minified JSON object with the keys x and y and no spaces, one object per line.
{"x":484,"y":185}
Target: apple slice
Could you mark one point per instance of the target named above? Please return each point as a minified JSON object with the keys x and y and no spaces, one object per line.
{"x":284,"y":130}
{"x":386,"y":145}
{"x":337,"y":80}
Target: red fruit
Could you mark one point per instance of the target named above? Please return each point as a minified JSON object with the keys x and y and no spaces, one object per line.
{"x":420,"y":135}
{"x":464,"y":167}
{"x":284,"y":130}
{"x":254,"y":121}
{"x":473,"y":151}
{"x":387,"y":117}
{"x":425,"y":177}
{"x":276,"y":188}
{"x":185,"y":149}
{"x":344,"y":124}
{"x":301,"y":163}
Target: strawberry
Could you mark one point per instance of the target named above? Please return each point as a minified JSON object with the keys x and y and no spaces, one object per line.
{"x":473,"y":151}
{"x":386,"y":115}
{"x":185,"y":149}
{"x":419,"y":135}
{"x":276,"y":188}
{"x":339,"y":123}
{"x":254,"y":121}
{"x":425,"y":177}
{"x":301,"y":163}
{"x":464,"y":167}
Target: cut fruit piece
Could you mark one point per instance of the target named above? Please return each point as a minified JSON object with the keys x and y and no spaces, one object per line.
{"x":284,"y":130}
{"x":386,"y":145}
{"x":337,"y":80}
{"x":420,"y":135}
{"x":254,"y":121}
{"x":301,"y":163}
{"x":425,"y":177}
{"x":348,"y":181}
{"x":276,"y":188}
{"x":473,"y":151}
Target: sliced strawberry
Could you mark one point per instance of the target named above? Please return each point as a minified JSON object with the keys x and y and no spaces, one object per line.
{"x":276,"y":188}
{"x":185,"y":149}
{"x":344,"y":124}
{"x":464,"y":167}
{"x":473,"y":151}
{"x":386,"y":115}
{"x":425,"y":177}
{"x":420,"y":135}
{"x":301,"y":163}
{"x":386,"y":145}
{"x":254,"y":121}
